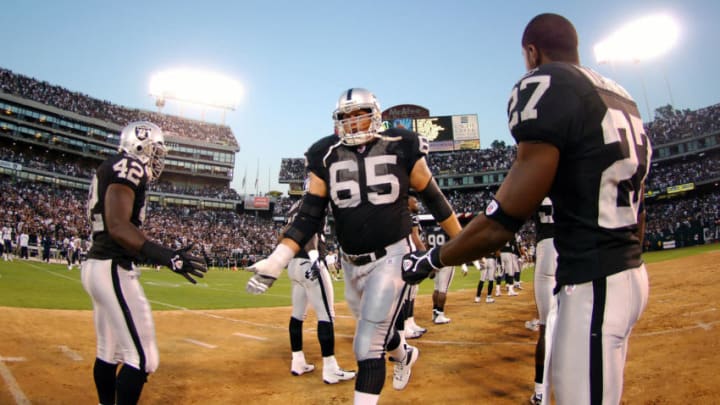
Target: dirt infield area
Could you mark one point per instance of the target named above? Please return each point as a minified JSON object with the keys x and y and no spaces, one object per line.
{"x":484,"y":356}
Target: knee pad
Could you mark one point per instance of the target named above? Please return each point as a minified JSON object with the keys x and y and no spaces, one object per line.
{"x":369,"y":343}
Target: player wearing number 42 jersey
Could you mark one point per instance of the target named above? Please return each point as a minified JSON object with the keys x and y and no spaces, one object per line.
{"x":123,"y":320}
{"x":581,"y":141}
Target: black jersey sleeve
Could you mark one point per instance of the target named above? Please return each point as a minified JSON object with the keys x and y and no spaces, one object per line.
{"x":545,"y":105}
{"x":316,"y":155}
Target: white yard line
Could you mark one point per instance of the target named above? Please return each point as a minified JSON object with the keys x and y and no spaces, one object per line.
{"x":199,"y":343}
{"x":17,"y":393}
{"x":72,"y":354}
{"x":250,"y":336}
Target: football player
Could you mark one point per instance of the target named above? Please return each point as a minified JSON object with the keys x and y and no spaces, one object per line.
{"x":581,"y":141}
{"x":116,"y":210}
{"x":365,"y":172}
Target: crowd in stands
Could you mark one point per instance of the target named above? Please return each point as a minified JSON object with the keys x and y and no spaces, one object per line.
{"x":292,"y":169}
{"x":64,"y":99}
{"x":685,"y":222}
{"x":671,"y":125}
{"x":57,"y":164}
{"x":697,"y":169}
{"x":220,"y":192}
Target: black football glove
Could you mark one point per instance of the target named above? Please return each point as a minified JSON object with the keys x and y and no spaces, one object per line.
{"x":180,"y":261}
{"x":419,"y":265}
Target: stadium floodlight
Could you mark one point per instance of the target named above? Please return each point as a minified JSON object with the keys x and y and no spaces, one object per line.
{"x":640,"y":40}
{"x":196,"y":87}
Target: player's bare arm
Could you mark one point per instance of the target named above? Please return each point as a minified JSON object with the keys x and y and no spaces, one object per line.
{"x":118,"y":211}
{"x":528,"y":182}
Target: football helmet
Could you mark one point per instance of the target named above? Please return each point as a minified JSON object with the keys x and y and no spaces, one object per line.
{"x":146,"y":142}
{"x":352,"y":100}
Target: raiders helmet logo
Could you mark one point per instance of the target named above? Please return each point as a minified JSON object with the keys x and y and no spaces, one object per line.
{"x":142,"y":132}
{"x":407,"y":265}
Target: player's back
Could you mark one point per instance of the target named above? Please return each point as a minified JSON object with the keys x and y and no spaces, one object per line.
{"x":604,"y":158}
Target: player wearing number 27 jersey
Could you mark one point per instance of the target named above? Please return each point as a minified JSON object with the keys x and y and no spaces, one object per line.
{"x":604,"y":158}
{"x":581,"y":141}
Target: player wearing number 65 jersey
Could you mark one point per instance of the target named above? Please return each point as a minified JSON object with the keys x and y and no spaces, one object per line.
{"x":581,"y":141}
{"x":365,"y":174}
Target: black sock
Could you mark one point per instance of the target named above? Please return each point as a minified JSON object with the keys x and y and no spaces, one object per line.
{"x":371,"y":376}
{"x":130,"y":382}
{"x":479,"y":288}
{"x":490,"y":288}
{"x":326,"y":336}
{"x":295,"y":328}
{"x":104,"y":375}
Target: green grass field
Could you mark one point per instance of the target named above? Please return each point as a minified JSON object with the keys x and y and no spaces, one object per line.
{"x":33,"y":284}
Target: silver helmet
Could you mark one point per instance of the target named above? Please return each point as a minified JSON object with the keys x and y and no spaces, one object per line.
{"x":146,"y":142}
{"x":352,"y":100}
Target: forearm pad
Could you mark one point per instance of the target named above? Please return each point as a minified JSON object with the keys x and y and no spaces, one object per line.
{"x":308,"y":220}
{"x":157,"y":254}
{"x":436,"y":202}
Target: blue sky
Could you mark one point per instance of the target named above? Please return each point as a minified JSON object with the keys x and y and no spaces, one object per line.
{"x":294,"y":58}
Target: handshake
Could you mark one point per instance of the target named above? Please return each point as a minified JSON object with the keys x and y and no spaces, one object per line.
{"x":419,"y":265}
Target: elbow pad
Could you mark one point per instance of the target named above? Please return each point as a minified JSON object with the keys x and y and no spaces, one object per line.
{"x":436,"y":202}
{"x":308,"y":220}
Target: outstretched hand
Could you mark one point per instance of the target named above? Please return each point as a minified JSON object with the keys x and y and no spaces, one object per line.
{"x":419,"y":265}
{"x":187,"y":265}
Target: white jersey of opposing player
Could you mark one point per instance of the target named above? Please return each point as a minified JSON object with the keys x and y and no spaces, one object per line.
{"x":7,"y":233}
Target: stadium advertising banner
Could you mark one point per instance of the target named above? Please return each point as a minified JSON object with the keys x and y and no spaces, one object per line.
{"x":445,"y":133}
{"x":681,"y":188}
{"x":260,"y":203}
{"x":466,"y":133}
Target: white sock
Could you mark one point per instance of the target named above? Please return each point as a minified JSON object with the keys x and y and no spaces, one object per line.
{"x":539,"y":389}
{"x":363,"y":398}
{"x":298,"y":356}
{"x":399,"y":353}
{"x":330,"y":362}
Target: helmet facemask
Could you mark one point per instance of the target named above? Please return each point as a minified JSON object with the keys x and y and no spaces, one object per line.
{"x":358,"y":129}
{"x":156,"y":163}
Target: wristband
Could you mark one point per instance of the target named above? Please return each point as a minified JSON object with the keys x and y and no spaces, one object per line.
{"x":157,"y":254}
{"x":435,"y":258}
{"x":495,"y":212}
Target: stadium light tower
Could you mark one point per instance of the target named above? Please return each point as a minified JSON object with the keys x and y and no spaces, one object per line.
{"x":639,"y":41}
{"x":203,"y":88}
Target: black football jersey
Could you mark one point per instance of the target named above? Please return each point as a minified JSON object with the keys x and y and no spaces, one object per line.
{"x":368,"y":186}
{"x":121,"y":169}
{"x":544,"y":226}
{"x":435,"y":236}
{"x":604,"y":160}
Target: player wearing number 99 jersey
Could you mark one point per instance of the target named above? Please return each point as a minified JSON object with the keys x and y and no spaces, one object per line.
{"x":581,"y":141}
